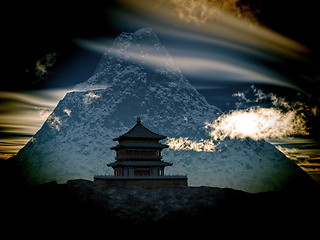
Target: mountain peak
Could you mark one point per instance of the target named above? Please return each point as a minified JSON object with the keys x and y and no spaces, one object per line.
{"x":141,"y":36}
{"x":134,"y":56}
{"x":138,"y":74}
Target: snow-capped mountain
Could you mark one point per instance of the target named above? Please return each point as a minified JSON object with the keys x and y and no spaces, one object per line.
{"x":135,"y":77}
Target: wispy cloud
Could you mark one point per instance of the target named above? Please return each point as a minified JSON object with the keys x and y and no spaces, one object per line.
{"x":303,"y":151}
{"x":203,"y":145}
{"x":223,"y":49}
{"x":22,"y":114}
{"x":44,"y":63}
{"x":255,"y":97}
{"x":89,"y":97}
{"x":85,"y":87}
{"x":198,"y":65}
{"x":54,"y":121}
{"x":44,"y":112}
{"x":67,"y":111}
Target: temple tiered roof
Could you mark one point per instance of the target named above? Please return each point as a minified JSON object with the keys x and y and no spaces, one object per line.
{"x":140,"y":132}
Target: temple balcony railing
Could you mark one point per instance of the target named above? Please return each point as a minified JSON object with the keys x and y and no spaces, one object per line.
{"x":138,"y":157}
{"x":140,"y":177}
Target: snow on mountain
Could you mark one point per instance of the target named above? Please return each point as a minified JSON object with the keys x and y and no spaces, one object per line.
{"x":135,"y":77}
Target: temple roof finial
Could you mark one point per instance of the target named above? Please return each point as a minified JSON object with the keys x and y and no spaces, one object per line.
{"x":138,"y":119}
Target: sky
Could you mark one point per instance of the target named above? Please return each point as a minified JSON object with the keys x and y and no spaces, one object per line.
{"x":254,"y":59}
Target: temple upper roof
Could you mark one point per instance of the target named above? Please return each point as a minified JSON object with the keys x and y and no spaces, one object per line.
{"x":140,"y":132}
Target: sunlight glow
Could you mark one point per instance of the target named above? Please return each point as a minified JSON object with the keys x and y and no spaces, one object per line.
{"x":258,"y":123}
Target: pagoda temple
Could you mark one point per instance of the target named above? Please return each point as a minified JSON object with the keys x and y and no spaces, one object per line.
{"x":139,"y":161}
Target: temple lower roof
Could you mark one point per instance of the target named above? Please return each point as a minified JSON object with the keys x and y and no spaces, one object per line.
{"x":139,"y":145}
{"x":139,"y":164}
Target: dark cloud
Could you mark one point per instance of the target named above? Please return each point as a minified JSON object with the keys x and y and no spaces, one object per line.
{"x":35,"y":31}
{"x":199,"y":11}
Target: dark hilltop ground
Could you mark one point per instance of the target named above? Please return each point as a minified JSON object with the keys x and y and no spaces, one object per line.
{"x":83,"y":204}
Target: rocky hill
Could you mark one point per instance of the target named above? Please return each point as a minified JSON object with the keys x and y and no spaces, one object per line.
{"x":80,"y":205}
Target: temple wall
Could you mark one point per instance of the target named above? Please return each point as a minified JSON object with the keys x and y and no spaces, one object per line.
{"x":150,"y":183}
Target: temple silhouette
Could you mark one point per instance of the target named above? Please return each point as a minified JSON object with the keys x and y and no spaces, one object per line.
{"x":139,"y":161}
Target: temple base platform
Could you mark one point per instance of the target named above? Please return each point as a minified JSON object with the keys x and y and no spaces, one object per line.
{"x":146,"y":182}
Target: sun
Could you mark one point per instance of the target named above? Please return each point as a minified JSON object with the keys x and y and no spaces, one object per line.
{"x":245,"y":124}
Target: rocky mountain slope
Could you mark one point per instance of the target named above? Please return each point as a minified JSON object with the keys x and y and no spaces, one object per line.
{"x":138,"y":77}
